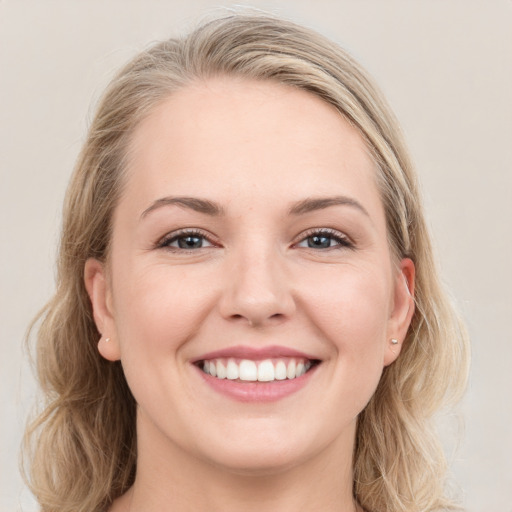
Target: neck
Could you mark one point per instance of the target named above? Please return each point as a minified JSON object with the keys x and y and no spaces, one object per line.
{"x":173,"y":480}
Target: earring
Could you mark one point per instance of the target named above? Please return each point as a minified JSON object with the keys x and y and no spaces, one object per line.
{"x":107,"y":340}
{"x":394,"y":341}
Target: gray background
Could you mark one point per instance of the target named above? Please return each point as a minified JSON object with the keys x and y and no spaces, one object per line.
{"x":445,"y":67}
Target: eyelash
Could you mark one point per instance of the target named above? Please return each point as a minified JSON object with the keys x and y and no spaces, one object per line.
{"x":342,"y":241}
{"x":165,"y":242}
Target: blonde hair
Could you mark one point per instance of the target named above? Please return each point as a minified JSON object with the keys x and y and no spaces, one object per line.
{"x":83,"y":445}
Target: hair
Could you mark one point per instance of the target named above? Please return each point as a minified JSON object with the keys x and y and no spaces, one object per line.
{"x":82,"y":444}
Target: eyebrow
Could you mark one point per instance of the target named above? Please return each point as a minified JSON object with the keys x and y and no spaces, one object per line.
{"x":213,"y":209}
{"x":319,"y":203}
{"x":192,"y":203}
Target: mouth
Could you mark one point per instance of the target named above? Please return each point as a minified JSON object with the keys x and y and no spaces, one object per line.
{"x":251,"y":375}
{"x":257,"y":370}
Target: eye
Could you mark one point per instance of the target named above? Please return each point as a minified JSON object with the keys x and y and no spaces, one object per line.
{"x":324,"y":239}
{"x":186,"y":240}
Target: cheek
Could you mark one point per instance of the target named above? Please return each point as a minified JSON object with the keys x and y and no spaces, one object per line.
{"x":158,"y":309}
{"x":352,"y":311}
{"x":353,"y":305}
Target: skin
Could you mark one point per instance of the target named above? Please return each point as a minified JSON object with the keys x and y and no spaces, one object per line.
{"x":254,"y":149}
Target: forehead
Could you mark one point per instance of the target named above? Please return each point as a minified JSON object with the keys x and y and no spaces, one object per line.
{"x":226,"y":136}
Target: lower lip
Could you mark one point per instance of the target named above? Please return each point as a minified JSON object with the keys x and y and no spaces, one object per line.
{"x":257,"y":391}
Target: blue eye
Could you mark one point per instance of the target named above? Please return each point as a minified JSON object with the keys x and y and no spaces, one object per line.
{"x":186,"y":241}
{"x":324,"y":240}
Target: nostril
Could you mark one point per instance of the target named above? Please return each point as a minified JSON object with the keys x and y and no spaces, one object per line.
{"x":253,"y":321}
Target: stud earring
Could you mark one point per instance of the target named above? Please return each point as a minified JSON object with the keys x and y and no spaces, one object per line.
{"x":394,"y":341}
{"x":107,"y":340}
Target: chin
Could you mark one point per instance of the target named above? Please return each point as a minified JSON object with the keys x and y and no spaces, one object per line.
{"x":256,"y":463}
{"x":261,"y":452}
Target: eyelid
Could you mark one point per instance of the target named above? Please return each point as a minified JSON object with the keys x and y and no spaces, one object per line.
{"x":347,"y":242}
{"x":163,"y":242}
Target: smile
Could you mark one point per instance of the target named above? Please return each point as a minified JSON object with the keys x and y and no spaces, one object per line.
{"x":251,"y":374}
{"x":247,"y":370}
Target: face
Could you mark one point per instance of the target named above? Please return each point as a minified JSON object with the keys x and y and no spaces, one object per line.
{"x":250,"y":243}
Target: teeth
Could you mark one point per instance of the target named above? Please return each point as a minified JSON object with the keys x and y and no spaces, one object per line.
{"x":221,"y":370}
{"x":280,"y":373}
{"x":248,"y":370}
{"x":232,"y":370}
{"x":290,"y":371}
{"x":267,"y":370}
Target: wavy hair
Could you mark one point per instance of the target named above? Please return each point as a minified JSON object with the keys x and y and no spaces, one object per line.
{"x":81,"y":447}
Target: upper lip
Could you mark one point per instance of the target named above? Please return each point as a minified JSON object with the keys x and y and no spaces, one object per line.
{"x":253,"y":353}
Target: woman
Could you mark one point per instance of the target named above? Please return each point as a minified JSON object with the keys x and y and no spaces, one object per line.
{"x":247,"y":312}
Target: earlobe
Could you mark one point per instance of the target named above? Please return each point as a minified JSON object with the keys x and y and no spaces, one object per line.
{"x":109,"y":349}
{"x":99,"y":293}
{"x":402,"y":310}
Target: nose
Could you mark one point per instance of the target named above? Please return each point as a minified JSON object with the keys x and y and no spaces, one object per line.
{"x":258,"y":289}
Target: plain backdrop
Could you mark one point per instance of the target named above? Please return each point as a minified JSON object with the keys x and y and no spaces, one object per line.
{"x":445,"y":66}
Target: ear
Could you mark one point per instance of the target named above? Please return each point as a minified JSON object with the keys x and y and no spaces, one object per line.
{"x":100,"y":295}
{"x":402,"y":310}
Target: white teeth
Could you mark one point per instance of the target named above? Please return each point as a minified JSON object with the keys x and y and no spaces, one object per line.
{"x":248,"y":370}
{"x":266,"y":371}
{"x":252,"y":371}
{"x":232,"y":370}
{"x":280,"y":372}
{"x":290,"y":371}
{"x":221,"y":370}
